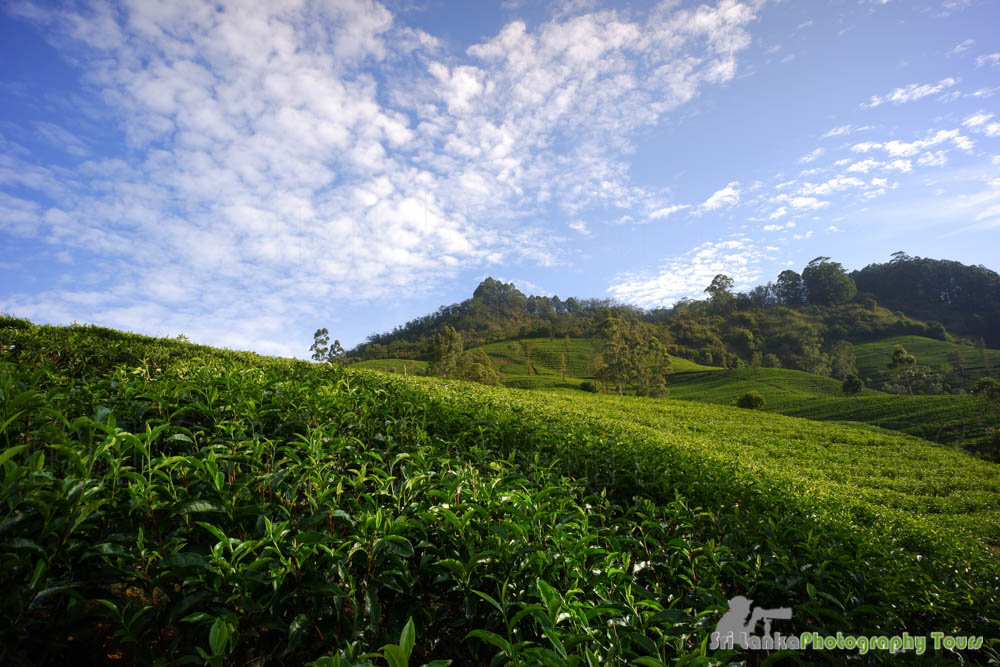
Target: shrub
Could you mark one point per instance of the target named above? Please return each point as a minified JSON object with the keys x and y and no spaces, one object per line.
{"x":852,"y":385}
{"x":587,"y":385}
{"x":752,"y":400}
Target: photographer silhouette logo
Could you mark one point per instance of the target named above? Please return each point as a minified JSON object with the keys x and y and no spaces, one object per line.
{"x":738,"y":627}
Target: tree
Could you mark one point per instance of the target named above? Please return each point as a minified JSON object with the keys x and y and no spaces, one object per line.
{"x":526,"y":347}
{"x":562,"y":365}
{"x":988,"y":389}
{"x":447,"y":351}
{"x":827,"y":283}
{"x":843,"y":361}
{"x":336,"y":353}
{"x":789,"y":289}
{"x":477,"y":367}
{"x":957,"y":362}
{"x":631,"y":357}
{"x":319,"y":348}
{"x":619,"y":365}
{"x":903,"y":364}
{"x":852,"y":385}
{"x":720,"y":292}
{"x":653,"y":367}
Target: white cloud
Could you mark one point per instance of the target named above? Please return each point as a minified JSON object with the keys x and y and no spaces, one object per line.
{"x":979,"y":122}
{"x":911,"y":93}
{"x":329,"y":142}
{"x":988,"y":59}
{"x":725,"y":198}
{"x":835,"y":184}
{"x":845,"y":129}
{"x":667,"y":211}
{"x":933,"y":159}
{"x":896,"y":148}
{"x":811,"y":156}
{"x":689,"y":274}
{"x":962,"y":46}
{"x":580,"y":227}
{"x":977,"y":119}
{"x":802,"y":202}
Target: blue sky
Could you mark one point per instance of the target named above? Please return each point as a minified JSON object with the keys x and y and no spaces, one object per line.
{"x":246,"y":173}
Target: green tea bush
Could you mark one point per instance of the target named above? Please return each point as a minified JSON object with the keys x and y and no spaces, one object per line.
{"x":752,"y":400}
{"x":168,"y":503}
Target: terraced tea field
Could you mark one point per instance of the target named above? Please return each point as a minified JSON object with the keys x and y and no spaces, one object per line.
{"x":173,"y":503}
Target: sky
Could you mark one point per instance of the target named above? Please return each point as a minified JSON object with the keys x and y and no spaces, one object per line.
{"x":244,"y":173}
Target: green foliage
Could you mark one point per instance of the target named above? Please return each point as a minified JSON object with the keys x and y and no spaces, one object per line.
{"x":170,"y":503}
{"x":752,"y":400}
{"x":447,"y":352}
{"x":320,"y":347}
{"x":631,"y":357}
{"x":789,"y":289}
{"x":963,"y":299}
{"x":852,"y":385}
{"x":587,"y":385}
{"x":988,"y":389}
{"x":827,"y":283}
{"x":843,"y":361}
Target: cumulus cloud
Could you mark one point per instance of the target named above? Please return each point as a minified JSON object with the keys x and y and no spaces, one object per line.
{"x":811,"y":156}
{"x":689,"y":274}
{"x":979,"y":122}
{"x":724,"y":198}
{"x":910,"y":93}
{"x":284,"y":155}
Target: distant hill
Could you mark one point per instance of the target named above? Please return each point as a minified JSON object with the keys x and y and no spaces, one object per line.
{"x":965,"y":299}
{"x":793,"y":323}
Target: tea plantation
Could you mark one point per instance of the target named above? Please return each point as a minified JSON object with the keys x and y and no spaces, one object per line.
{"x":165,"y":503}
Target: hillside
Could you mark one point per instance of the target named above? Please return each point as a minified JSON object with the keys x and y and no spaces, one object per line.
{"x":164,"y":501}
{"x":964,"y":421}
{"x":794,"y":322}
{"x":873,"y":356}
{"x":537,"y":368}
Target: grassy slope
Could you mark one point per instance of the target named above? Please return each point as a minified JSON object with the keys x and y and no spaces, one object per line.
{"x":942,"y":419}
{"x":544,"y":371}
{"x":873,"y":358}
{"x":860,"y":531}
{"x":960,"y":420}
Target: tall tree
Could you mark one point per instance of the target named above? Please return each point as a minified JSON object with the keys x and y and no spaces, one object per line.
{"x":903,"y":364}
{"x":789,"y":288}
{"x":720,"y":292}
{"x":336,"y":353}
{"x":843,"y":361}
{"x":619,"y":362}
{"x":631,"y":356}
{"x":447,"y":351}
{"x":320,"y":347}
{"x":827,"y":283}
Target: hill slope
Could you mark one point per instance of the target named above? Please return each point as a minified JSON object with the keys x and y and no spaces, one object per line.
{"x":166,"y":501}
{"x":873,"y":358}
